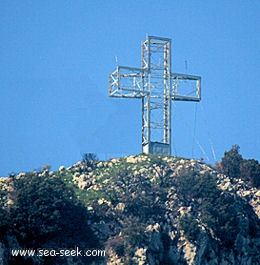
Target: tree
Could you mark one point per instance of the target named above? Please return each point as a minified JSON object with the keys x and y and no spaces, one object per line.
{"x":46,"y":209}
{"x":217,"y":209}
{"x":250,"y":171}
{"x":231,"y":161}
{"x":89,"y":159}
{"x":233,"y":165}
{"x":4,"y":221}
{"x":189,"y":225}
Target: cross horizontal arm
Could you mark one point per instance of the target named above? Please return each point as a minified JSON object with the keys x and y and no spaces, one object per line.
{"x":127,"y":82}
{"x":185,"y":87}
{"x":184,"y":76}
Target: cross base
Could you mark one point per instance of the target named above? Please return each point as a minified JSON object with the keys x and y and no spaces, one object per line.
{"x":157,"y":148}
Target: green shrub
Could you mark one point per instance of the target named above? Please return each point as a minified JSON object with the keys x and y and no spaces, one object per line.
{"x":46,"y":209}
{"x":89,"y":160}
{"x":47,"y":213}
{"x":191,"y":185}
{"x":217,"y":209}
{"x":250,"y":171}
{"x":234,"y":166}
{"x":189,"y":224}
{"x":231,"y":161}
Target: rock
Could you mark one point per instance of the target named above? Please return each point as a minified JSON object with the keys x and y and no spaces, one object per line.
{"x":130,"y":159}
{"x":61,"y":168}
{"x":120,"y":207}
{"x":189,"y":252}
{"x":257,"y":194}
{"x":140,"y":253}
{"x":246,"y":193}
{"x":225,"y":186}
{"x":149,"y":228}
{"x":156,"y":227}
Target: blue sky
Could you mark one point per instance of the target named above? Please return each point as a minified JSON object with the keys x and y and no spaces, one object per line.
{"x":55,"y":61}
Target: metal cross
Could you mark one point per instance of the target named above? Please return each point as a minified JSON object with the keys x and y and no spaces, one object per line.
{"x":157,"y":86}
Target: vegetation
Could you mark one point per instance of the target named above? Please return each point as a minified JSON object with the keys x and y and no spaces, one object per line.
{"x":89,"y":159}
{"x":128,"y":201}
{"x":45,"y":212}
{"x":138,"y":198}
{"x":216,"y":208}
{"x":4,"y":216}
{"x":235,"y":166}
{"x":190,"y":225}
{"x":231,"y":161}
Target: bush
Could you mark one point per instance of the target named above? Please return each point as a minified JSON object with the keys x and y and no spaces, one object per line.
{"x":4,"y":214}
{"x":117,"y":243}
{"x":131,"y":237}
{"x":189,"y":224}
{"x":89,"y":159}
{"x":234,"y":166}
{"x":221,"y":216}
{"x":231,"y":161}
{"x":191,"y":185}
{"x":46,"y":209}
{"x":250,"y":171}
{"x":216,"y":208}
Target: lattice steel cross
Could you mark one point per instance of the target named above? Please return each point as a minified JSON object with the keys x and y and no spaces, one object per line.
{"x":157,"y":86}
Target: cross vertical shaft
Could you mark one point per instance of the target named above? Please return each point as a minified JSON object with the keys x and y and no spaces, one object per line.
{"x":156,"y":61}
{"x":157,"y":86}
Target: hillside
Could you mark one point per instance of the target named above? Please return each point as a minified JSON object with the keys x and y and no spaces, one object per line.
{"x":141,"y":209}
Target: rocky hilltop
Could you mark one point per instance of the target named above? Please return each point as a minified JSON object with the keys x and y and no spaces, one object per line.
{"x":141,"y":209}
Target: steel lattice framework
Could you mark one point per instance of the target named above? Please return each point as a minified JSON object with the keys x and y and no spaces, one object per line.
{"x":157,"y":86}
